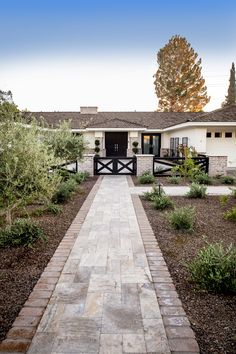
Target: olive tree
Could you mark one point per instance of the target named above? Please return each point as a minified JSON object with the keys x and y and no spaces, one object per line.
{"x":25,"y":162}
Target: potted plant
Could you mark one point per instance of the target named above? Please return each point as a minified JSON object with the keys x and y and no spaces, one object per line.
{"x":135,"y":147}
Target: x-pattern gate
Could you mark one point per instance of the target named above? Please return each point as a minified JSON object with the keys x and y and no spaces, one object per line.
{"x":114,"y":165}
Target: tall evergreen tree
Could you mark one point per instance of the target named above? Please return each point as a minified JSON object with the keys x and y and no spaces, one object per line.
{"x":231,"y":96}
{"x":179,"y":84}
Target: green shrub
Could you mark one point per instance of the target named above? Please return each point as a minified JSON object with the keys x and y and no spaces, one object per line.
{"x":162,"y":202}
{"x":233,"y":192}
{"x":224,"y":200}
{"x":54,"y":209}
{"x":231,"y":214}
{"x":146,"y":178}
{"x":64,"y":191}
{"x":182,"y":218}
{"x":155,"y":192}
{"x":80,"y":177}
{"x":202,"y":178}
{"x":65,"y":174}
{"x":228,"y":179}
{"x":174,"y":179}
{"x":197,"y":191}
{"x":97,"y":142}
{"x":214,"y":268}
{"x":22,"y":232}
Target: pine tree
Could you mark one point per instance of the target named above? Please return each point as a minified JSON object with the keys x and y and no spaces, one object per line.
{"x":231,"y":97}
{"x":179,"y":84}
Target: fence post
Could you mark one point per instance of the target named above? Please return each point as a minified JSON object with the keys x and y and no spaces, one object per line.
{"x":144,"y":163}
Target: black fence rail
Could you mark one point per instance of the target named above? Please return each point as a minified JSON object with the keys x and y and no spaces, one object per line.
{"x":70,"y":166}
{"x":162,"y":166}
{"x":115,"y":165}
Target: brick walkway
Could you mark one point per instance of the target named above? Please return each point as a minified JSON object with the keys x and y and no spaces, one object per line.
{"x":114,"y":294}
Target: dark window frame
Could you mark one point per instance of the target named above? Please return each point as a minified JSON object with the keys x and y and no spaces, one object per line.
{"x":209,"y":134}
{"x":228,"y":137}
{"x":152,"y":134}
{"x":220,"y":135}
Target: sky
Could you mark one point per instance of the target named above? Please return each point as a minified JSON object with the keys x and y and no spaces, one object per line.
{"x":58,"y":55}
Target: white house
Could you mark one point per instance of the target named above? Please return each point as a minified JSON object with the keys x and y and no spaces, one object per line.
{"x":158,"y":133}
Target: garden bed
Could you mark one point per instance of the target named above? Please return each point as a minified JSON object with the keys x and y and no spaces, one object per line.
{"x":21,"y":267}
{"x":212,"y":315}
{"x":165,"y":182}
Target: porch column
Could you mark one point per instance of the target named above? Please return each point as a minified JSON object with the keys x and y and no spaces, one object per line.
{"x":144,"y":163}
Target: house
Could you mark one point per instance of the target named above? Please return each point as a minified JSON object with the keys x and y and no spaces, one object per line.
{"x":157,"y":133}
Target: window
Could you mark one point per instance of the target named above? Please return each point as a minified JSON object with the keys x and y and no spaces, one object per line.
{"x":218,"y":135}
{"x":208,"y":135}
{"x":228,"y":134}
{"x":185,"y":141}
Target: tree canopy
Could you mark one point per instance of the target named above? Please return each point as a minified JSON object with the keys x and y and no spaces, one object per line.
{"x":179,"y":84}
{"x":231,"y":96}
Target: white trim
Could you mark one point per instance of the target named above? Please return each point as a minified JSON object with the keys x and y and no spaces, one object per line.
{"x":116,"y":129}
{"x":200,"y":124}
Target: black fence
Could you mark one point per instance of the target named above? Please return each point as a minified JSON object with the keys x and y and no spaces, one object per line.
{"x":115,"y":165}
{"x":162,"y":166}
{"x":70,"y":166}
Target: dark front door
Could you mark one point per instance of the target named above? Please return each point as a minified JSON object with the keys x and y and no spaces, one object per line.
{"x":116,"y":143}
{"x":151,"y":144}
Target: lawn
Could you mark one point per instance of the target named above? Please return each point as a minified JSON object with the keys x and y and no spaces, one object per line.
{"x":212,"y":315}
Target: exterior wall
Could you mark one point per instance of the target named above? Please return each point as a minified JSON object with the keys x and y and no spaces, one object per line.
{"x":144,"y":163}
{"x":86,"y":164}
{"x":196,"y":138}
{"x":134,"y":136}
{"x":217,"y":165}
{"x":90,"y":138}
{"x":222,"y":146}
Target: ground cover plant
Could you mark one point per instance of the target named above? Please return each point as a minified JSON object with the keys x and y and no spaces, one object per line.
{"x":146,"y":178}
{"x":211,"y":313}
{"x":197,"y":191}
{"x":182,"y":218}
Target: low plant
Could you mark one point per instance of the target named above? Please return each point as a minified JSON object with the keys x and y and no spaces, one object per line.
{"x":197,"y":191}
{"x":64,"y":191}
{"x":214,"y":268}
{"x":97,"y":142}
{"x":202,"y":178}
{"x":155,"y":192}
{"x":233,"y":192}
{"x":224,"y":200}
{"x":80,"y":177}
{"x":231,"y":214}
{"x":22,"y":232}
{"x":174,"y":179}
{"x":54,"y":209}
{"x":182,"y":218}
{"x":146,"y":178}
{"x":162,"y":202}
{"x":228,"y":180}
{"x":65,"y":174}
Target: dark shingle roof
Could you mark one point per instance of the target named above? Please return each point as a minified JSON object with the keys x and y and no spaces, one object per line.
{"x":225,"y":114}
{"x":149,"y":120}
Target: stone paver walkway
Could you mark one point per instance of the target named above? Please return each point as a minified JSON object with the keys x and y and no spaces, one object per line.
{"x":105,"y":301}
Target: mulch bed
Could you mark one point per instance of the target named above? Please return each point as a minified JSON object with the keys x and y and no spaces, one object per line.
{"x":212,"y":315}
{"x":164,"y":181}
{"x":21,"y":267}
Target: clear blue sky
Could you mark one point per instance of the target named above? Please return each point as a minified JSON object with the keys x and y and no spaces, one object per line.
{"x":110,"y":42}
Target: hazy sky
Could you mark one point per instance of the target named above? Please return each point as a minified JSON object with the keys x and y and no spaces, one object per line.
{"x":63,"y":54}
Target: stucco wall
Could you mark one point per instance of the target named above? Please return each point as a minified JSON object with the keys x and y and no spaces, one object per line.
{"x":222,"y":146}
{"x":196,"y":138}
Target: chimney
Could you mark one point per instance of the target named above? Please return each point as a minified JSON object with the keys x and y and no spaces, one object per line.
{"x":88,"y":110}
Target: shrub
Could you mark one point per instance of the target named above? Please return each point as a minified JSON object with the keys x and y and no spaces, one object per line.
{"x":162,"y":202}
{"x":146,"y":178}
{"x":65,"y":174}
{"x":64,"y":191}
{"x":80,"y":177}
{"x":22,"y":232}
{"x":224,"y":200}
{"x":155,"y":192}
{"x":228,"y":179}
{"x":174,"y":179}
{"x":203,"y":178}
{"x":135,"y":143}
{"x":97,"y":149}
{"x":54,"y":209}
{"x":214,"y":268}
{"x":97,"y":142}
{"x":182,"y":218}
{"x":197,"y":191}
{"x":231,"y":214}
{"x":233,"y":192}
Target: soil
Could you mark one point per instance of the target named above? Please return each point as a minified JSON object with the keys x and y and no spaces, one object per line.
{"x":21,"y":267}
{"x":165,"y":182}
{"x":212,"y":316}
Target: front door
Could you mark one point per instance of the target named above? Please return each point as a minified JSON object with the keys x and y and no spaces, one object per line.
{"x":116,"y":143}
{"x":151,"y":144}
